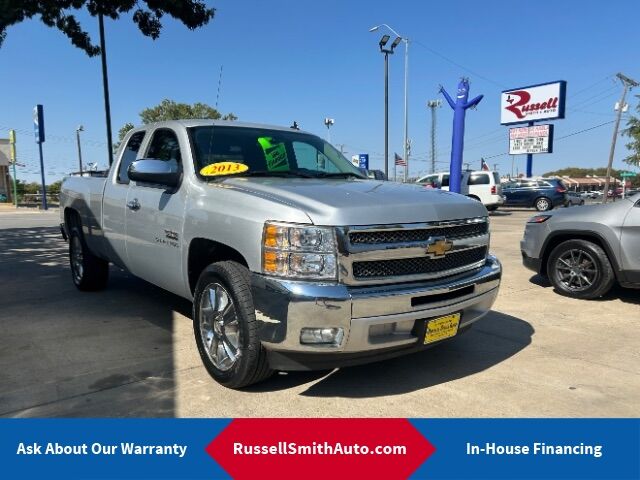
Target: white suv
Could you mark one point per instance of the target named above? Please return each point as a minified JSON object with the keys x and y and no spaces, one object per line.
{"x":480,"y":185}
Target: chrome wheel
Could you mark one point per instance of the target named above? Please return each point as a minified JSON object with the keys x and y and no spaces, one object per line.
{"x":76,"y":258}
{"x":576,"y":270}
{"x":219,"y":327}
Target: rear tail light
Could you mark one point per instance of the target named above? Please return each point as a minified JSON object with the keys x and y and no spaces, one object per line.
{"x":561,"y":190}
{"x":494,"y":190}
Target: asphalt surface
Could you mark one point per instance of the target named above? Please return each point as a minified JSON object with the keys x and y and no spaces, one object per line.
{"x":128,"y":351}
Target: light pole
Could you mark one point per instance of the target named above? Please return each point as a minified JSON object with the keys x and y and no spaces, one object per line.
{"x":105,"y":87}
{"x":386,"y":51}
{"x":406,"y":94}
{"x":78,"y":130}
{"x":327,"y":123}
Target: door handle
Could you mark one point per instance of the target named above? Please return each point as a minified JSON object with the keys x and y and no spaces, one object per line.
{"x":133,"y":204}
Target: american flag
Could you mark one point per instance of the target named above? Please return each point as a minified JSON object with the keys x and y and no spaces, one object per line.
{"x":399,"y":160}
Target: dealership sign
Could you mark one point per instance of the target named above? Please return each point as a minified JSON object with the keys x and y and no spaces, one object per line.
{"x":533,"y":103}
{"x":529,"y":140}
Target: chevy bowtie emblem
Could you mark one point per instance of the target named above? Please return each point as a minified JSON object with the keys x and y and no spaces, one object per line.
{"x":438,"y":247}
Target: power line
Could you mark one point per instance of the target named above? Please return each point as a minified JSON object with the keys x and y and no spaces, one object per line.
{"x":453,"y":62}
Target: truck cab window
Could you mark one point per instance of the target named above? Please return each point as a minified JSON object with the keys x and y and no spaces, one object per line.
{"x":129,"y":156}
{"x":164,"y":146}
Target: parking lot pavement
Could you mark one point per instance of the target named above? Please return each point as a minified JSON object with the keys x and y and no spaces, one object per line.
{"x":129,"y":350}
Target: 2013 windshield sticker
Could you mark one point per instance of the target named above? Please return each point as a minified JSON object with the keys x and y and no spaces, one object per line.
{"x":275,"y":154}
{"x":223,"y":168}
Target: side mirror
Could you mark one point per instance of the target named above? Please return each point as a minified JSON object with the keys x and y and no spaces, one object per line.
{"x":155,"y":171}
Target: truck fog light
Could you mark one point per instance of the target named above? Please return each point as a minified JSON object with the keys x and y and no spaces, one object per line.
{"x":322,"y":336}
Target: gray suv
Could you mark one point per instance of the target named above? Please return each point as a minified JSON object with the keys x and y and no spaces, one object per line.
{"x":585,"y":251}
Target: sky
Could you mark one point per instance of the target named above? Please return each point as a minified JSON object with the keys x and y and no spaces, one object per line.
{"x":289,"y":60}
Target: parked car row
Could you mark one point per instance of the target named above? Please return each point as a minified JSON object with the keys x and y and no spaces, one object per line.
{"x":479,"y":185}
{"x":543,"y":194}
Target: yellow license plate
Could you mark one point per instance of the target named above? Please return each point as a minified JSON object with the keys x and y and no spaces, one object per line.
{"x":441,"y":328}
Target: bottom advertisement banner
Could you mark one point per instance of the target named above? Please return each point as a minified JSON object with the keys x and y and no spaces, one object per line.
{"x":321,"y":448}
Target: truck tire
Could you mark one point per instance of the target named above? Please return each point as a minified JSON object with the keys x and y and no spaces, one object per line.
{"x":225,"y":326}
{"x":580,"y":269}
{"x":89,"y":273}
{"x":543,"y":204}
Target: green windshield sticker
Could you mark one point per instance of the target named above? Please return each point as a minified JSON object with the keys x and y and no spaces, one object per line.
{"x":275,"y":154}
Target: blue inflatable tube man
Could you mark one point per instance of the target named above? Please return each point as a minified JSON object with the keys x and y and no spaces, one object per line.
{"x":457,"y":142}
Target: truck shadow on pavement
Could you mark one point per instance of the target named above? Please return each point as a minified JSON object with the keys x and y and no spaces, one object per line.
{"x":493,"y":340}
{"x":75,"y":354}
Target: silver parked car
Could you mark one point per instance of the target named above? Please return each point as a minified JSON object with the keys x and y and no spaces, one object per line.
{"x":573,"y":198}
{"x":585,"y":251}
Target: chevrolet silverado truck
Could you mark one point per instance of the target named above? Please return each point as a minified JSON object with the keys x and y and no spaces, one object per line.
{"x":293,"y":259}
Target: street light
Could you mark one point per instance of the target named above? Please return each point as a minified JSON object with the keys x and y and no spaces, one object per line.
{"x":78,"y":130}
{"x":327,"y":123}
{"x":404,"y":39}
{"x":382,"y":43}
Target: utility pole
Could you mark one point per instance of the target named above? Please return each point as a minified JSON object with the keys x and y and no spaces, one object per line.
{"x":433,"y":104}
{"x":627,"y":84}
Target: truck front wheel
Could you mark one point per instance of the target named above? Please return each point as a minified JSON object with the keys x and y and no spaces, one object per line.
{"x":225,"y":326}
{"x":89,"y":273}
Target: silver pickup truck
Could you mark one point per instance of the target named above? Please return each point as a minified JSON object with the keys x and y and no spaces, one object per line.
{"x":292,"y":258}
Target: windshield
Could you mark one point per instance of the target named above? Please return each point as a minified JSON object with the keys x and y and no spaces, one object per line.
{"x":269,"y":152}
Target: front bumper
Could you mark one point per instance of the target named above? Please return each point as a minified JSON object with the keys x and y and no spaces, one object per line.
{"x":530,"y":262}
{"x":378,"y":321}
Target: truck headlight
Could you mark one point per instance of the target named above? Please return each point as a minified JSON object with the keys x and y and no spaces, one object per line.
{"x":299,"y":251}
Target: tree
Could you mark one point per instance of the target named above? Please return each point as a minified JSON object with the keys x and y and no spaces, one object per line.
{"x":633,"y":131}
{"x":54,"y":188}
{"x":170,"y":110}
{"x":60,"y":14}
{"x":578,"y":172}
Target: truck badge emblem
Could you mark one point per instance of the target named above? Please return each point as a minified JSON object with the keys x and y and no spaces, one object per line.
{"x":438,"y":247}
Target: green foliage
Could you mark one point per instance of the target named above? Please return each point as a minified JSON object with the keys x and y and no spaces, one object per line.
{"x":23,"y":187}
{"x":170,"y":110}
{"x":633,"y":131}
{"x":61,"y":14}
{"x":580,"y":172}
{"x":54,"y":188}
{"x":577,"y":172}
{"x":121,"y":134}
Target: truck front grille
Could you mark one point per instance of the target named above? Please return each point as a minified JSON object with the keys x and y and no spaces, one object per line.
{"x":451,"y":232}
{"x":418,"y":266}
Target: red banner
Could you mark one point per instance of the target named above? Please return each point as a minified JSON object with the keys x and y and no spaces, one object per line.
{"x":320,"y":448}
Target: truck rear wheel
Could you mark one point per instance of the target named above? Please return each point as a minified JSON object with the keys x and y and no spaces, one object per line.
{"x":225,"y":326}
{"x":89,"y":273}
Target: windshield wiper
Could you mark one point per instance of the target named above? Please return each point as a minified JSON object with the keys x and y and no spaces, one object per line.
{"x":338,"y":175}
{"x":266,"y":173}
